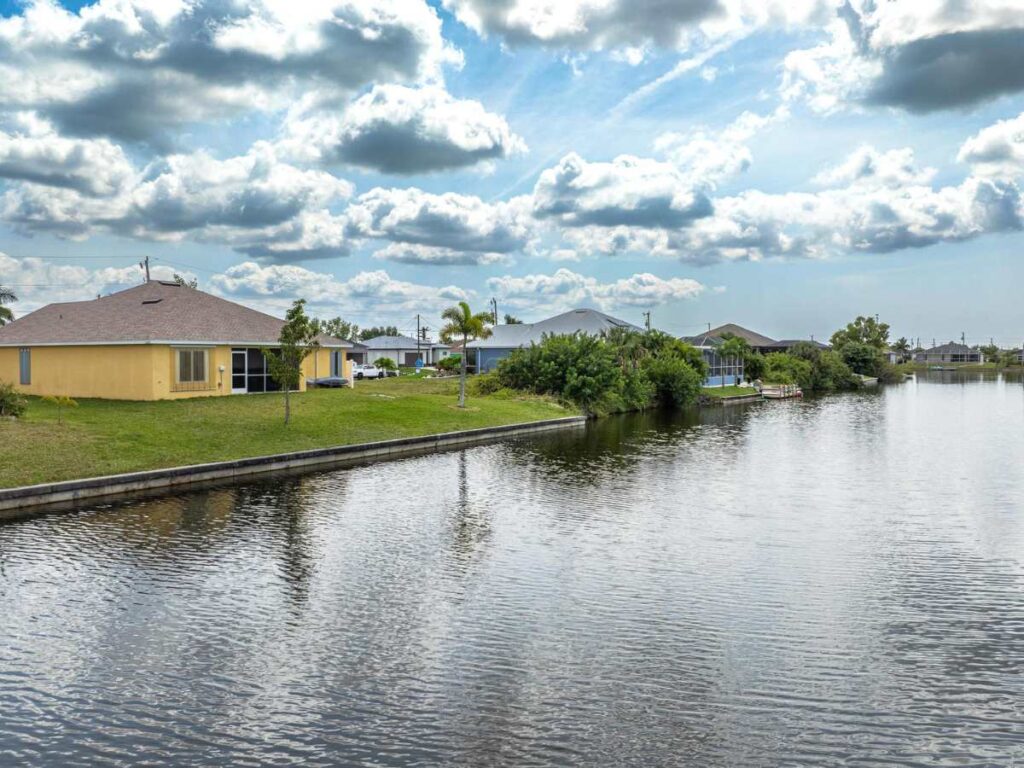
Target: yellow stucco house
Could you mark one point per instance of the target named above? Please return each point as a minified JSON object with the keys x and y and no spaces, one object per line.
{"x":154,"y":342}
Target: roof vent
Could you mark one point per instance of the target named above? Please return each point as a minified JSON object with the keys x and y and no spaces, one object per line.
{"x":152,"y":301}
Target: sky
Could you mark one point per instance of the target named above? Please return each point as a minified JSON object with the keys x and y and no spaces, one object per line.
{"x":782,"y":164}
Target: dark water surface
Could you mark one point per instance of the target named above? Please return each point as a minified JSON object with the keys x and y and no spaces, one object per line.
{"x":829,"y":582}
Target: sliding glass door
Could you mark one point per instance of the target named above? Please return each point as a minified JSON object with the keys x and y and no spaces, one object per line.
{"x":238,"y":372}
{"x":250,"y":373}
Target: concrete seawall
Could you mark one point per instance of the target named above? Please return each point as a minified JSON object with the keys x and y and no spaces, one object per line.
{"x":29,"y":499}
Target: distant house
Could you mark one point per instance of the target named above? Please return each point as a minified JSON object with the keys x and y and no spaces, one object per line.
{"x":759,"y":342}
{"x":950,"y":353}
{"x":357,"y":354}
{"x":730,"y":370}
{"x":157,"y":341}
{"x":505,"y":338}
{"x":722,"y":370}
{"x":404,"y":351}
{"x":892,"y":356}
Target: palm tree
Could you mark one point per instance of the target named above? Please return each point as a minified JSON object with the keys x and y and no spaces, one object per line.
{"x":902,"y":348}
{"x":463,"y":324}
{"x":736,"y":348}
{"x":6,"y":297}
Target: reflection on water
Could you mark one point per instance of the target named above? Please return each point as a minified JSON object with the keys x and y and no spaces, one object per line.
{"x":835,"y":581}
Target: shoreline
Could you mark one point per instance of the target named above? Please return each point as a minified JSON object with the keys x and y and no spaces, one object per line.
{"x":26,"y":500}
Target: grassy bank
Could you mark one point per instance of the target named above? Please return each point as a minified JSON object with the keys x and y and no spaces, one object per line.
{"x":103,"y":437}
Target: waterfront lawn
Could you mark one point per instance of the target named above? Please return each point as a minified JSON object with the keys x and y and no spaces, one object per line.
{"x":730,"y":391}
{"x":102,"y":437}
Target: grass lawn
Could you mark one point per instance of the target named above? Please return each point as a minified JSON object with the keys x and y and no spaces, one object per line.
{"x":103,"y":437}
{"x":730,"y":391}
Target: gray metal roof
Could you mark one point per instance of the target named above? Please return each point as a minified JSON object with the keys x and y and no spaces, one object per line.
{"x":587,"y":321}
{"x":392,"y":342}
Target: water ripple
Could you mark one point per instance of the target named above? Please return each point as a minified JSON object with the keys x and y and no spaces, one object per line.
{"x":834,"y":582}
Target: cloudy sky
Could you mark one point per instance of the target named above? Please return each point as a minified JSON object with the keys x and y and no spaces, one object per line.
{"x":783,"y":164}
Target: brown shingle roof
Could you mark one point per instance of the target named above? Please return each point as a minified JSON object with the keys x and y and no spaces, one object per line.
{"x":151,"y":313}
{"x":753,"y":338}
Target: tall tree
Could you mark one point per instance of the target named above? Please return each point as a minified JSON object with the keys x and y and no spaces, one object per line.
{"x":6,"y":297}
{"x":462,"y":324}
{"x":297,"y":341}
{"x":180,"y":280}
{"x":340,"y":329}
{"x":512,"y":320}
{"x":863,"y":330}
{"x":902,"y":348}
{"x":375,"y":331}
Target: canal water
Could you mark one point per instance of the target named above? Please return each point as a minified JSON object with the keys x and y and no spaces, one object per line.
{"x":837,"y":581}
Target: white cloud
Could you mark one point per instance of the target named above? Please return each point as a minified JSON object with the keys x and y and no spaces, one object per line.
{"x":868,"y":166}
{"x":629,"y":28}
{"x":368,"y":297}
{"x":998,"y":149}
{"x":708,"y":156}
{"x":395,"y":129}
{"x":409,"y":253}
{"x":134,"y":69}
{"x":919,"y":56}
{"x":38,"y":282}
{"x":34,"y":152}
{"x":862,"y":217}
{"x":875,"y":202}
{"x":631,"y":191}
{"x":252,"y":202}
{"x":566,"y":289}
{"x":453,"y":221}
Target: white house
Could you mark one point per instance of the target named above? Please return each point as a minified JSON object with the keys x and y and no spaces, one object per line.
{"x":404,"y":351}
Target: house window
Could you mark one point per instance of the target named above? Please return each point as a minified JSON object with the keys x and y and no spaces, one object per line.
{"x":25,"y":365}
{"x":192,"y":366}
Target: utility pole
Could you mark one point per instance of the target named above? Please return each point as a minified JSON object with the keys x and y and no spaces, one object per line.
{"x":419,"y":356}
{"x":963,"y":338}
{"x":647,"y":320}
{"x":494,"y":310}
{"x":144,"y":264}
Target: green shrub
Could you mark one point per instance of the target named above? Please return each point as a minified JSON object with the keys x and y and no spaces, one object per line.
{"x":863,"y":358}
{"x":386,"y":364}
{"x":783,"y":368}
{"x":11,"y":401}
{"x":660,"y":344}
{"x":674,"y":380}
{"x":638,"y":391}
{"x":754,"y":366}
{"x":485,"y":384}
{"x":829,"y":372}
{"x":450,"y":363}
{"x":625,"y":371}
{"x":581,"y":369}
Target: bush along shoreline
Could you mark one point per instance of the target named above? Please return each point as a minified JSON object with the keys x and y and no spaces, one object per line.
{"x":628,"y":370}
{"x":620,"y":372}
